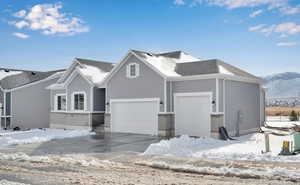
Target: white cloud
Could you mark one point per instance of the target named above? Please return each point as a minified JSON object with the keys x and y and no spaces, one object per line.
{"x":20,"y":14}
{"x":282,"y":5}
{"x":179,"y":2}
{"x":21,"y":24}
{"x":20,"y":35}
{"x":48,"y":19}
{"x":284,"y":29}
{"x":256,"y":13}
{"x":286,"y":44}
{"x":255,"y":28}
{"x":288,"y":10}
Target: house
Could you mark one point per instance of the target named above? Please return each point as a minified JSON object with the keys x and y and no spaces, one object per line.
{"x":175,"y":93}
{"x":78,"y":98}
{"x":24,"y":102}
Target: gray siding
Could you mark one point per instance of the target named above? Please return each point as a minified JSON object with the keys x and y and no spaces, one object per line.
{"x":31,"y":106}
{"x":1,"y":102}
{"x":148,"y":85}
{"x":8,"y":104}
{"x":191,"y":86}
{"x":99,"y":99}
{"x":79,"y":84}
{"x":53,"y":94}
{"x":242,"y":98}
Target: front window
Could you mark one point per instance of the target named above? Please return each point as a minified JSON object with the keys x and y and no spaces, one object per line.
{"x":79,"y":101}
{"x":61,"y":102}
{"x":132,"y":70}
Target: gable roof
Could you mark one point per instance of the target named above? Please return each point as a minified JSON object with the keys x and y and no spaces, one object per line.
{"x":13,"y":78}
{"x":179,"y":65}
{"x":92,"y":70}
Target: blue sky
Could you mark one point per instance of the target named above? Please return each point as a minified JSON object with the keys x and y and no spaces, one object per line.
{"x":260,"y":36}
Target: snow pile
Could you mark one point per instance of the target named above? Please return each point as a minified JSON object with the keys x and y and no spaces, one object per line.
{"x":6,"y":182}
{"x":37,"y":135}
{"x":257,"y":172}
{"x":248,"y":147}
{"x":72,"y":159}
{"x":4,"y":74}
{"x":283,"y":124}
{"x":94,"y":74}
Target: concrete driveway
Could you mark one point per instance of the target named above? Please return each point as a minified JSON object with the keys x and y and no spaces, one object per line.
{"x":99,"y":143}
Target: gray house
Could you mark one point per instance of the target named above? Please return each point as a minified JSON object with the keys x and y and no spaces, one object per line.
{"x":78,"y":98}
{"x":175,"y":93}
{"x":24,"y":101}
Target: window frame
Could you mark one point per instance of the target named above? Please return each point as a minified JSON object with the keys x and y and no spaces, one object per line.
{"x":84,"y":101}
{"x":56,"y":102}
{"x":137,"y":70}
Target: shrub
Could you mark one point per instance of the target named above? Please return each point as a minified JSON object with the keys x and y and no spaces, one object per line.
{"x":293,"y":116}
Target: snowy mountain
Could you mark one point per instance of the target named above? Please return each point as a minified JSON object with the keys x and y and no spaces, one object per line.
{"x":283,"y":85}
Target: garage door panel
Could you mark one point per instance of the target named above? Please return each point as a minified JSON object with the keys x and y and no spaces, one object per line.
{"x":192,"y":115}
{"x":135,"y":117}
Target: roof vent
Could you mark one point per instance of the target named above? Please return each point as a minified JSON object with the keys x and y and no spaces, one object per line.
{"x":33,"y":73}
{"x":149,"y":54}
{"x":6,"y":70}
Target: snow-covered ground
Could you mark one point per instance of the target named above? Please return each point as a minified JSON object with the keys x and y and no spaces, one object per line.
{"x":8,"y":138}
{"x":250,"y":147}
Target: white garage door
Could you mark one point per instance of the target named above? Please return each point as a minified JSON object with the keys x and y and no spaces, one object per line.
{"x":192,"y":114}
{"x":135,"y":116}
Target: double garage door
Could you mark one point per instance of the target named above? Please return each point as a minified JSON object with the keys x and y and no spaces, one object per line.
{"x":192,"y":115}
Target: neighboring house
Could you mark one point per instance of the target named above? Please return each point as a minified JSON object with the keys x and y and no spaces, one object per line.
{"x":24,"y":101}
{"x":78,"y":98}
{"x":175,"y":93}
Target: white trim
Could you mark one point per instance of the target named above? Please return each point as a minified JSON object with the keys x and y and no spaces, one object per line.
{"x":171,"y":97}
{"x":224,"y":102}
{"x":128,"y":70}
{"x":78,"y":112}
{"x":134,"y":100}
{"x":84,"y":103}
{"x":217,"y":96}
{"x":55,"y":102}
{"x":165,"y":95}
{"x":216,"y":75}
{"x":195,"y":94}
{"x":52,"y":77}
{"x":74,"y":74}
{"x":69,"y":70}
{"x":92,"y":99}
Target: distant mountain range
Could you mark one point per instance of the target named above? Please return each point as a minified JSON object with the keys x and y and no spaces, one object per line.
{"x":283,"y":85}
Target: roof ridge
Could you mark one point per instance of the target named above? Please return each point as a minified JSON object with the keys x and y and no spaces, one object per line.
{"x":92,"y":60}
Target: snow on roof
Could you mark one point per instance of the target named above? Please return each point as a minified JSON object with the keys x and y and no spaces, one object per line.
{"x":94,"y":74}
{"x":6,"y":73}
{"x":184,"y":57}
{"x":165,"y":65}
{"x":223,"y":70}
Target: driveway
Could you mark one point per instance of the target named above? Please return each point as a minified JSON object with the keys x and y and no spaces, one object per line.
{"x":99,"y":143}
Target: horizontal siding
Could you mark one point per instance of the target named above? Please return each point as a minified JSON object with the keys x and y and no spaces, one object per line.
{"x":149,"y":84}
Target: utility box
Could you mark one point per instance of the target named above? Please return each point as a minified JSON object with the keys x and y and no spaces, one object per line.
{"x":297,"y":141}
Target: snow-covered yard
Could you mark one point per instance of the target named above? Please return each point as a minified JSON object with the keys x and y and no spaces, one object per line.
{"x":8,"y":138}
{"x":250,"y":147}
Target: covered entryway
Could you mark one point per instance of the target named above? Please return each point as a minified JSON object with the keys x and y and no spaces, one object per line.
{"x":192,"y":113}
{"x":139,"y":116}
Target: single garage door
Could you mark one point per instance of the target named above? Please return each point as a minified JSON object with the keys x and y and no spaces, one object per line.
{"x":135,"y":116}
{"x":192,"y":114}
